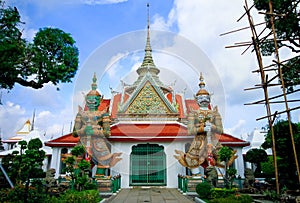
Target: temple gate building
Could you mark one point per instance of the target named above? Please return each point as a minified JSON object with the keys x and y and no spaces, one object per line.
{"x":148,"y":123}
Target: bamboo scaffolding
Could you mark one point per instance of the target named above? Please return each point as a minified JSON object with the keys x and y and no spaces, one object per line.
{"x":266,"y":93}
{"x":273,"y":102}
{"x":285,"y":111}
{"x":284,"y":90}
{"x":257,"y":40}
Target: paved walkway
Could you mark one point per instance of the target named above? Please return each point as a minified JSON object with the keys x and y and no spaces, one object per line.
{"x":152,"y":195}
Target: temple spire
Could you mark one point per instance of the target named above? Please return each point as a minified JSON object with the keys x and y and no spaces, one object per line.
{"x":148,"y":45}
{"x":148,"y":64}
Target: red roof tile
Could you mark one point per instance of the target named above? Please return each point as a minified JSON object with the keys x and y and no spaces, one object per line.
{"x":116,"y":101}
{"x":145,"y":133}
{"x":178,"y":99}
{"x":104,"y":105}
{"x":169,"y":97}
{"x":191,"y":104}
{"x":67,"y":140}
{"x":126,"y":96}
{"x":229,"y":140}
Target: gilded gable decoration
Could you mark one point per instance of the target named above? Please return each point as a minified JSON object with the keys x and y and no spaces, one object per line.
{"x":148,"y":102}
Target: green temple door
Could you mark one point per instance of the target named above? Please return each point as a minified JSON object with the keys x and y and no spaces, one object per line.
{"x":147,"y":165}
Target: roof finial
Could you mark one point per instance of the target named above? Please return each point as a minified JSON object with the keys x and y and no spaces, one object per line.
{"x":148,"y":48}
{"x":148,"y":16}
{"x":148,"y":63}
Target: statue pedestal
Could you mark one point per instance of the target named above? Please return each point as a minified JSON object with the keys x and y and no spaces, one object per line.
{"x":193,"y":181}
{"x":188,"y":184}
{"x":105,"y":184}
{"x":108,"y":184}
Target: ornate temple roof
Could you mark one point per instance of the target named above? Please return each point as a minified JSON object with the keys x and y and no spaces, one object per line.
{"x":148,"y":110}
{"x":148,"y":67}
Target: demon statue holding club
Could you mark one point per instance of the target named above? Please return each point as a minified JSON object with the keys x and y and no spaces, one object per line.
{"x":93,"y":127}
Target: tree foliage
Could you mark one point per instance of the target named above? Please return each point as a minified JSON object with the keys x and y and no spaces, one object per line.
{"x":26,"y":163}
{"x":256,"y":156}
{"x":227,"y":155}
{"x":284,"y":150}
{"x":286,"y":23}
{"x":78,"y":169}
{"x":267,"y":167}
{"x":51,"y":57}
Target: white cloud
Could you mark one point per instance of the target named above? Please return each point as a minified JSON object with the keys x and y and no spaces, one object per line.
{"x":12,"y":118}
{"x":113,"y":64}
{"x":29,"y":34}
{"x":237,"y":129}
{"x":202,"y":23}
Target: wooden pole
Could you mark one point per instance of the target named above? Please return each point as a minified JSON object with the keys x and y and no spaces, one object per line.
{"x":263,"y":81}
{"x":283,"y":89}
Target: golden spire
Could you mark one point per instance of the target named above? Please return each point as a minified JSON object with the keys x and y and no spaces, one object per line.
{"x":202,"y":91}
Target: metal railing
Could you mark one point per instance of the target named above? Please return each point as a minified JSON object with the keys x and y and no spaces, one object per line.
{"x":188,"y":184}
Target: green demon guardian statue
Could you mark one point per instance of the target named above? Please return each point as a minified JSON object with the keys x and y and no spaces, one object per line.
{"x":93,"y":127}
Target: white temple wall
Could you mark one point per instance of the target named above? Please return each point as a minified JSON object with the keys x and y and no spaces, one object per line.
{"x":239,"y":162}
{"x":55,"y":162}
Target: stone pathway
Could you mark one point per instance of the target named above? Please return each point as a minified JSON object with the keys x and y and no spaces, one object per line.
{"x":152,"y":195}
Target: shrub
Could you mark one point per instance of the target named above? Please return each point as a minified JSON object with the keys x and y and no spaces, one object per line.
{"x":222,"y":192}
{"x":233,"y":199}
{"x":203,"y":190}
{"x":271,"y":195}
{"x":74,"y":196}
{"x":17,"y":194}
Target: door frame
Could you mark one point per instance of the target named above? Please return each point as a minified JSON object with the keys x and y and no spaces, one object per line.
{"x":144,"y":161}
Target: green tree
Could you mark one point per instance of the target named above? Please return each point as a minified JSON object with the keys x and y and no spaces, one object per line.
{"x":286,"y":23}
{"x":267,"y":167}
{"x":51,"y":57}
{"x":78,"y":168}
{"x":285,"y":162}
{"x":227,"y":155}
{"x":25,"y":164}
{"x":256,"y":156}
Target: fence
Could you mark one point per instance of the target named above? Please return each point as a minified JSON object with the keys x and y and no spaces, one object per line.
{"x":188,"y":184}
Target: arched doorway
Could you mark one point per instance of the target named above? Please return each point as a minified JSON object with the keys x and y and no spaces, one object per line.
{"x":147,"y":165}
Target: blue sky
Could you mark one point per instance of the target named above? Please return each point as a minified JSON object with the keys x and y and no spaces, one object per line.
{"x":95,"y":24}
